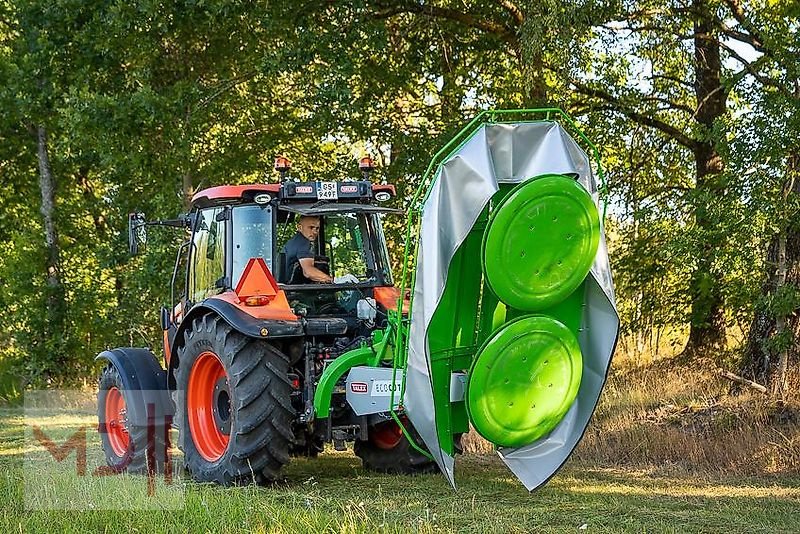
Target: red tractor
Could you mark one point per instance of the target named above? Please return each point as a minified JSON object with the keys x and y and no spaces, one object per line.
{"x":257,"y":353}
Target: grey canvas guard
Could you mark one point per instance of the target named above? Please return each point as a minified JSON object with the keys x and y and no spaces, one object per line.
{"x":463,"y":185}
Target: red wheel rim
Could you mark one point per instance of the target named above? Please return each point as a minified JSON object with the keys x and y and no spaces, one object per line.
{"x":207,"y":407}
{"x":387,"y":435}
{"x":115,"y":422}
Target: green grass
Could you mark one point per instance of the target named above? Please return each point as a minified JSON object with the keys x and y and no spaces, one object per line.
{"x":334,"y":494}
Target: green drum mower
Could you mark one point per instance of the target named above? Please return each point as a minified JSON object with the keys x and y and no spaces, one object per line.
{"x":513,"y":320}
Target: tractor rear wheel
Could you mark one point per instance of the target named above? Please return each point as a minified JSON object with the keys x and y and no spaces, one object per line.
{"x":127,"y":446}
{"x":233,"y":406}
{"x":387,"y":450}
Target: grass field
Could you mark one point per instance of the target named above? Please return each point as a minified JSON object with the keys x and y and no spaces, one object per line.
{"x":334,"y":494}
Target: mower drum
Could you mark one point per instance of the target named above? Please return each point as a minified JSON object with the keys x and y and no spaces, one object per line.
{"x":541,"y":242}
{"x":524,"y":380}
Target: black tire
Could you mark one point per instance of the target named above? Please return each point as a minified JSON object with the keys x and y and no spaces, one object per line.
{"x":401,"y":458}
{"x":135,"y":458}
{"x":259,"y":412}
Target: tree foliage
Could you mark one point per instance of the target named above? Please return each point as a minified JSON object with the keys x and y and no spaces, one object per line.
{"x":142,"y":104}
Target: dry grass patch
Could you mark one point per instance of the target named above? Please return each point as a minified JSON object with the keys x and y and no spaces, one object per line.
{"x":674,"y":417}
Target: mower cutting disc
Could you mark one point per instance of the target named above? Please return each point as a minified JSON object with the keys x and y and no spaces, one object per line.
{"x":524,"y":381}
{"x":541,"y":242}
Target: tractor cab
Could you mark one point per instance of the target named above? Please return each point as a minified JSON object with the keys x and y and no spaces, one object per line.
{"x":235,"y":224}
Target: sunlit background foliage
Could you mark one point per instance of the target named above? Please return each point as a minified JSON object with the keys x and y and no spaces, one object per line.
{"x":145,"y":103}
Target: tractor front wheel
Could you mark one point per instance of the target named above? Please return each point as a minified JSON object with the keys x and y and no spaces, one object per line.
{"x":233,"y":406}
{"x":387,"y":450}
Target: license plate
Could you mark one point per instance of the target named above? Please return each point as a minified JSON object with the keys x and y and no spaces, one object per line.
{"x":383,"y":388}
{"x":327,"y":191}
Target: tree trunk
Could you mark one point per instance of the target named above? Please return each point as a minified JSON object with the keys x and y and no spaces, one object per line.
{"x":779,"y":378}
{"x":707,"y":323}
{"x":89,"y":196}
{"x":55,"y":294}
{"x":450,"y":95}
{"x":187,"y":189}
{"x":764,"y":361}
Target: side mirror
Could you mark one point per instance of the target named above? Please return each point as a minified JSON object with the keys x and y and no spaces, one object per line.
{"x":166,"y":321}
{"x":189,"y":221}
{"x":137,"y":232}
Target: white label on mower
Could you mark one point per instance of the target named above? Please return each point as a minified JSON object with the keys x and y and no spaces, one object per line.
{"x":369,"y":389}
{"x":383,"y":388}
{"x":327,"y":191}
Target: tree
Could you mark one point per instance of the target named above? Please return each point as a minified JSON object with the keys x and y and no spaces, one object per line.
{"x":771,"y":159}
{"x":673,"y":43}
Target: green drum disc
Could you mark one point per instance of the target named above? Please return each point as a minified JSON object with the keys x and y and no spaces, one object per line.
{"x":541,"y":242}
{"x":523,"y":381}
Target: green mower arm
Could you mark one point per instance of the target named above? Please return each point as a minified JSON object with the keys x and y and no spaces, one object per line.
{"x":369,"y":355}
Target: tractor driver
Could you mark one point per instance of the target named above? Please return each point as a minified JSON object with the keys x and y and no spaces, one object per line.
{"x":300,"y":250}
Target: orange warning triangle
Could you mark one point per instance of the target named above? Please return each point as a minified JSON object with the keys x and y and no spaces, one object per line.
{"x":256,"y":280}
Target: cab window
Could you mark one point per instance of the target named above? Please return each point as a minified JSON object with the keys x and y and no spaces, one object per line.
{"x":208,"y":256}
{"x":252,"y":237}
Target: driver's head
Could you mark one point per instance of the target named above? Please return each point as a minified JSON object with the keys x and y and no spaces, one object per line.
{"x":309,"y":227}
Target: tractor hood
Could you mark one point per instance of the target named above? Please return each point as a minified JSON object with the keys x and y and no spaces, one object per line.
{"x":496,"y":158}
